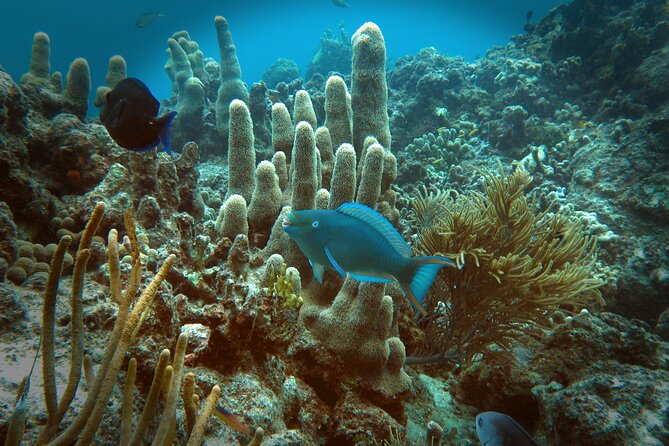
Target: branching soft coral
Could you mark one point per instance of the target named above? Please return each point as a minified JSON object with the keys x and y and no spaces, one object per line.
{"x":518,"y":264}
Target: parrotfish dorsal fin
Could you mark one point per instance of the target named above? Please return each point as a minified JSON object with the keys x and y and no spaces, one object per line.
{"x":378,"y":222}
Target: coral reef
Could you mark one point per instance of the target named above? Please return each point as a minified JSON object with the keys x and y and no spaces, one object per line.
{"x":282,"y":70}
{"x":516,"y":266}
{"x":592,"y":380}
{"x":333,"y":55}
{"x":573,"y":114}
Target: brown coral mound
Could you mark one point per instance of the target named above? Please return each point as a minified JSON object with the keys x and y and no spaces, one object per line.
{"x":517,"y":265}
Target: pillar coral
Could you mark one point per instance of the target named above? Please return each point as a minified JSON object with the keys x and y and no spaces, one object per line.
{"x":232,"y":86}
{"x":359,"y":327}
{"x":241,"y":151}
{"x":369,"y":91}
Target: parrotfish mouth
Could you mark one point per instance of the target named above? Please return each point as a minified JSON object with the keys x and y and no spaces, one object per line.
{"x":289,"y":220}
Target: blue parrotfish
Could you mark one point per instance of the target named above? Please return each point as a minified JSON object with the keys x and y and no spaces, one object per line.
{"x":130,"y":115}
{"x":498,"y":429}
{"x":356,"y":240}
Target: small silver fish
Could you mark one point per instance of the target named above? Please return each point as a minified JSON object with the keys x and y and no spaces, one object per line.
{"x":357,"y":240}
{"x":148,"y":18}
{"x":498,"y":429}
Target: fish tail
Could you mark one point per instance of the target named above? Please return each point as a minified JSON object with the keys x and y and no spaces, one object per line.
{"x":166,"y":122}
{"x":421,"y":281}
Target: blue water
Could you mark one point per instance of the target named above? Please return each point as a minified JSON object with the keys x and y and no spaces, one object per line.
{"x":262,"y":30}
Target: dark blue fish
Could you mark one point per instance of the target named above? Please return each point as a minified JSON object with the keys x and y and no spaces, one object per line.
{"x":148,"y":18}
{"x":498,"y":429}
{"x":130,"y":115}
{"x":357,"y":240}
{"x":341,"y":3}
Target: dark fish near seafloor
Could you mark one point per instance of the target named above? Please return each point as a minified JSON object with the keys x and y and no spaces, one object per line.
{"x":148,"y":18}
{"x":356,"y":240}
{"x":130,"y":115}
{"x":498,"y":429}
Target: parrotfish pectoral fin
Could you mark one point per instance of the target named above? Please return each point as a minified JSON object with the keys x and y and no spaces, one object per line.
{"x":165,"y":122}
{"x":423,"y":279}
{"x":334,"y":263}
{"x":319,"y":270}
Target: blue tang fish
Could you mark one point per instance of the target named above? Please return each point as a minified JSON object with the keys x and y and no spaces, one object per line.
{"x":357,"y":240}
{"x":498,"y":429}
{"x":130,"y":115}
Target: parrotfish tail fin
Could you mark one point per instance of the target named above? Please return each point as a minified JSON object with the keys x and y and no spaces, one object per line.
{"x":165,"y":122}
{"x":426,"y":271}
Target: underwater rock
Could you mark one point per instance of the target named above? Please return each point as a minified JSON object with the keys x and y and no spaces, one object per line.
{"x":189,"y":199}
{"x":600,"y":183}
{"x":14,"y":311}
{"x":148,"y":212}
{"x":13,"y":106}
{"x":302,"y":406}
{"x":76,"y":162}
{"x":603,"y":366}
{"x":8,"y":245}
{"x":510,"y":132}
{"x":650,"y":75}
{"x":414,"y":111}
{"x":281,"y":70}
{"x":662,"y":327}
{"x":333,"y":55}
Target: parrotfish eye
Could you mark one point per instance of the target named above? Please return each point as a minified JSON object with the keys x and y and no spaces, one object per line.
{"x":480,"y":421}
{"x":315,"y":224}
